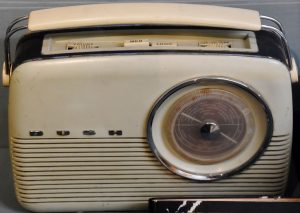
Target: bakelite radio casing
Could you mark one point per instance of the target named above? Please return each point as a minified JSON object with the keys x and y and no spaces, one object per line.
{"x":81,"y":112}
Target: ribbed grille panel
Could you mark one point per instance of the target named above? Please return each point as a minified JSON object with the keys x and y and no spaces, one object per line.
{"x":89,"y":174}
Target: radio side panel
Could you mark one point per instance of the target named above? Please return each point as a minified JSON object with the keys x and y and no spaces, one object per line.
{"x":117,"y":92}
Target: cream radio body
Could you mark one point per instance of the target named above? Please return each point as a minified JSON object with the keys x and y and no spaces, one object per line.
{"x":93,"y":115}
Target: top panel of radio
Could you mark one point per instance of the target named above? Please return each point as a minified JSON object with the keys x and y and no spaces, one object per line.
{"x":125,"y":39}
{"x":194,"y":32}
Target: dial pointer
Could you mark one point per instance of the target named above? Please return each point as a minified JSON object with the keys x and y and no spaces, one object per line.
{"x":228,"y":138}
{"x":192,"y":118}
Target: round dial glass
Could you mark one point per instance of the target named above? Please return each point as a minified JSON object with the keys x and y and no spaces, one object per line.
{"x":208,"y":128}
{"x":210,"y":124}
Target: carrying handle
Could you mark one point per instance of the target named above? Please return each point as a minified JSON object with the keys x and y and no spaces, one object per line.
{"x":143,"y":14}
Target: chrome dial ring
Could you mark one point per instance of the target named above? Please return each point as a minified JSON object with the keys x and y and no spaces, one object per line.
{"x":189,"y":128}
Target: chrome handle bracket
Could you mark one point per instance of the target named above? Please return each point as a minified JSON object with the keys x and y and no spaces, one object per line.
{"x":279,"y":31}
{"x":11,"y":29}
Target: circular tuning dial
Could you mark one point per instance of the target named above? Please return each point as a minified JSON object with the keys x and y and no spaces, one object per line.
{"x":209,"y":124}
{"x":209,"y":128}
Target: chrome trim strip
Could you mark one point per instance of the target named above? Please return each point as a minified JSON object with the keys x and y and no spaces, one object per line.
{"x":201,"y":177}
{"x":279,"y":31}
{"x":275,"y":21}
{"x":9,"y":32}
{"x":14,"y":22}
{"x":284,"y":42}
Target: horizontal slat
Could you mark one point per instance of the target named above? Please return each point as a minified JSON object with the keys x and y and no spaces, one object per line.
{"x":269,"y":166}
{"x":124,"y":192}
{"x":264,"y":171}
{"x":90,"y":178}
{"x":276,"y":153}
{"x":111,"y":156}
{"x":104,"y":169}
{"x":99,"y":157}
{"x":146,"y":163}
{"x":142,"y":199}
{"x":75,"y":159}
{"x":105,"y":156}
{"x":152,"y":184}
{"x":138,"y":174}
{"x":278,"y":147}
{"x":79,"y":140}
{"x":133,"y":192}
{"x":79,"y":145}
{"x":278,"y":142}
{"x":104,"y":175}
{"x":142,"y":179}
{"x":134,"y":161}
{"x":83,"y":154}
{"x":273,"y":160}
{"x":262,"y":175}
{"x":82,"y":150}
{"x":86,"y":199}
{"x":105,"y":142}
{"x":65,"y":173}
{"x":113,"y":168}
{"x":104,"y":165}
{"x":280,"y":137}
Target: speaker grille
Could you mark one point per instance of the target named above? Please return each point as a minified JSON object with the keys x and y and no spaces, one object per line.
{"x":121,"y":174}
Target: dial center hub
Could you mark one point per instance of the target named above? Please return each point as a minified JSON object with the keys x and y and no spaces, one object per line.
{"x":210,"y":130}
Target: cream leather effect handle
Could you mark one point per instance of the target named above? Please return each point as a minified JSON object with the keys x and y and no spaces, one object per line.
{"x":143,"y":13}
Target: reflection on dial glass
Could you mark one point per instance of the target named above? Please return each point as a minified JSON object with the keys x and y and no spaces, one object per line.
{"x":210,"y":124}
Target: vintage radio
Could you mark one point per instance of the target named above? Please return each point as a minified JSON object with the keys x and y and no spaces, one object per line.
{"x":113,"y":104}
